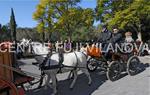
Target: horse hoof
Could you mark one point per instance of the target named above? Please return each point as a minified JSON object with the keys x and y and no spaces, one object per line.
{"x":90,"y":84}
{"x":53,"y":94}
{"x":45,"y":88}
{"x":71,"y":88}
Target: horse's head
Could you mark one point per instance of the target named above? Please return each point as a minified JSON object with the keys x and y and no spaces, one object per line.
{"x":40,"y":49}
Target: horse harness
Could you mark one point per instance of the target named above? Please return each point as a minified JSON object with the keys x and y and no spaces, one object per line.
{"x":61,"y":59}
{"x":84,"y":55}
{"x":77,"y":61}
{"x":60,"y":65}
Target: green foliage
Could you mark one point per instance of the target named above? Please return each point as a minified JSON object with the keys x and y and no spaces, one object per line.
{"x":80,"y":34}
{"x":132,"y":15}
{"x":106,"y":9}
{"x":84,"y":34}
{"x":28,"y":33}
{"x":62,"y":15}
{"x":5,"y":33}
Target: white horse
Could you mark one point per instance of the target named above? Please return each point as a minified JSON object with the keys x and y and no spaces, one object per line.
{"x":71,"y":61}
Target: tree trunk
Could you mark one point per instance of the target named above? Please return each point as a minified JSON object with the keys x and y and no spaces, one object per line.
{"x":43,"y":36}
{"x":139,"y":35}
{"x":69,"y":38}
{"x":50,"y":35}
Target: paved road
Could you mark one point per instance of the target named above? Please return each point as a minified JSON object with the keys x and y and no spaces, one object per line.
{"x":127,"y":85}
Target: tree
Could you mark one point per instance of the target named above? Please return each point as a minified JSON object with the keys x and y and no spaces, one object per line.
{"x":28,"y":33}
{"x":84,"y":34}
{"x":0,"y":27}
{"x":132,"y":15}
{"x":58,"y":15}
{"x":106,"y":9}
{"x":5,"y":33}
{"x":13,"y":26}
{"x":0,"y":30}
{"x":135,"y":17}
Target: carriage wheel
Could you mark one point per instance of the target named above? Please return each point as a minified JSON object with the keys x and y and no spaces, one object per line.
{"x":133,"y":65}
{"x":12,"y":87}
{"x":114,"y":71}
{"x":92,"y":64}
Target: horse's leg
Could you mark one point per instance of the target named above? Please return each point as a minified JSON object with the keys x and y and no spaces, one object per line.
{"x":70,"y":76}
{"x":86,"y":72}
{"x":41,"y":82}
{"x":54,"y":86}
{"x":74,"y":80}
{"x":47,"y":81}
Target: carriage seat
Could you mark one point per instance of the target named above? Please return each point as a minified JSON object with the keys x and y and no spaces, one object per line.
{"x":93,"y":51}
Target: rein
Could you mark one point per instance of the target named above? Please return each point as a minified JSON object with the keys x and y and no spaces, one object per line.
{"x":84,"y":55}
{"x":50,"y":67}
{"x":77,"y":61}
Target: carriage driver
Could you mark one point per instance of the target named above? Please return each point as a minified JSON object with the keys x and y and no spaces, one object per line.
{"x":116,"y":38}
{"x":105,"y":35}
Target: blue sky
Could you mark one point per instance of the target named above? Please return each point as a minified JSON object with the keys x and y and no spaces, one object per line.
{"x":24,"y":9}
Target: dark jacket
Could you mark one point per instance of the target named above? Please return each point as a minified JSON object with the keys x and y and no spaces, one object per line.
{"x":116,"y":38}
{"x":104,"y":36}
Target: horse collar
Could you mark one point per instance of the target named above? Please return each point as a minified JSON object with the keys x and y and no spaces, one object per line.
{"x":84,"y":54}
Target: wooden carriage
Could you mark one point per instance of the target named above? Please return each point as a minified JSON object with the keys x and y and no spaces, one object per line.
{"x":11,"y":83}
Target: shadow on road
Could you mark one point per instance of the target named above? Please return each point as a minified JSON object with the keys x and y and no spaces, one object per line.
{"x":143,"y":67}
{"x":81,"y":87}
